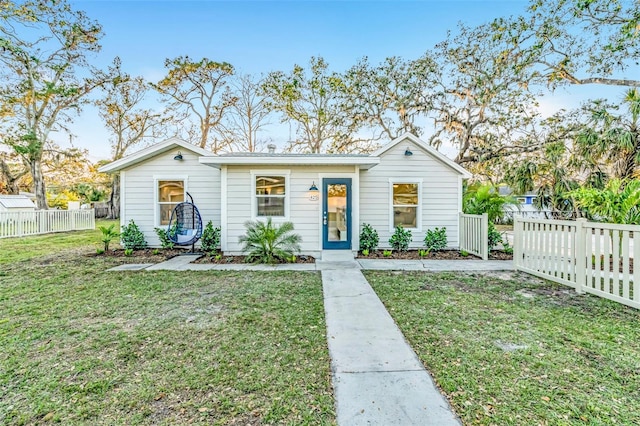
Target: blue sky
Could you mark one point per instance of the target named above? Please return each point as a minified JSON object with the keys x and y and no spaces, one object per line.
{"x":262,"y":36}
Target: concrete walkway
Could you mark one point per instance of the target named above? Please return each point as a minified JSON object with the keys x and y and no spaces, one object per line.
{"x":377,"y":378}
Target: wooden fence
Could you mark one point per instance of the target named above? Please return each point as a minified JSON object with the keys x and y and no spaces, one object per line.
{"x":19,"y":224}
{"x":591,"y":257}
{"x":474,"y":233}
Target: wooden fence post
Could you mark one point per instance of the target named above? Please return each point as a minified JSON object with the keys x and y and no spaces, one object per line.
{"x":580,"y":254}
{"x":517,"y":241}
{"x":484,"y":232}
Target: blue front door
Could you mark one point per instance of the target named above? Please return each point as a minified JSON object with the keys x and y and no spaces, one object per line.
{"x":336,"y":214}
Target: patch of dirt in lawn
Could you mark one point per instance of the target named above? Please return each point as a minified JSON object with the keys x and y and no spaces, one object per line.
{"x":435,"y":255}
{"x":222,"y":259}
{"x":140,"y":256}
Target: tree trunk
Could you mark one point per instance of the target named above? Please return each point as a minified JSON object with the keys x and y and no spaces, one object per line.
{"x":38,"y":184}
{"x":113,"y":205}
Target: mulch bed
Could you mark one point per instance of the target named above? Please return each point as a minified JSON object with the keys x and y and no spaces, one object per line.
{"x":141,"y":256}
{"x":435,"y":255}
{"x":225,"y":260}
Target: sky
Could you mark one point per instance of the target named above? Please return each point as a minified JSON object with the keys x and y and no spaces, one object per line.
{"x":257,"y":37}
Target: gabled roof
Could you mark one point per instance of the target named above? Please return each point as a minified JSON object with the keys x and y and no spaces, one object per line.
{"x":152,"y":151}
{"x":248,"y":159}
{"x":428,"y":149}
{"x":16,"y":202}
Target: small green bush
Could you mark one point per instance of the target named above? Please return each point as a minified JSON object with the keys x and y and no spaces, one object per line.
{"x":165,"y":242}
{"x":387,"y":253}
{"x":265,"y":242}
{"x":368,"y":238}
{"x":493,"y":236}
{"x":400,"y":239}
{"x":507,"y":247}
{"x":128,"y":252}
{"x":210,"y":240}
{"x":436,"y":239}
{"x":423,"y":252}
{"x":365,"y":252}
{"x":464,"y":253}
{"x":108,"y":234}
{"x":132,"y":237}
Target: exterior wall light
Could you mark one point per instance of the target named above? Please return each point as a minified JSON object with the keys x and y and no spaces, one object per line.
{"x":313,"y":192}
{"x":178,"y":156}
{"x":407,"y":152}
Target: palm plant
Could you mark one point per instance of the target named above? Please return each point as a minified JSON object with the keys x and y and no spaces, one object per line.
{"x":265,"y":242}
{"x":108,"y":234}
{"x":618,"y":202}
{"x":613,"y":140}
{"x":479,"y":199}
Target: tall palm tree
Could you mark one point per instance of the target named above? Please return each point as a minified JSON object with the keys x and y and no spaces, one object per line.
{"x":612,"y":141}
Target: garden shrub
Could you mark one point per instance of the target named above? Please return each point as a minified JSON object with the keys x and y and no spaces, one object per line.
{"x":210,"y":240}
{"x":265,"y":242}
{"x":165,"y":242}
{"x":368,"y":238}
{"x":436,"y":239}
{"x":400,"y":239}
{"x":132,"y":237}
{"x":493,"y":235}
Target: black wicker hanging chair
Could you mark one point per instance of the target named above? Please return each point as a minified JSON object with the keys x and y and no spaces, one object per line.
{"x":185,"y":225}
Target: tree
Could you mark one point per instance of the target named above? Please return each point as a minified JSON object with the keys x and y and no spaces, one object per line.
{"x":390,"y":97}
{"x":309,"y":99}
{"x":577,"y":41}
{"x":243,"y":124}
{"x":481,"y":103}
{"x":551,"y":170}
{"x":43,"y":50}
{"x":127,"y":121}
{"x":12,"y":170}
{"x":198,"y":92}
{"x":612,"y":141}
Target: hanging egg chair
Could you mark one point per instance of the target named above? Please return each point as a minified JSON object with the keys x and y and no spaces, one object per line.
{"x":185,"y":225}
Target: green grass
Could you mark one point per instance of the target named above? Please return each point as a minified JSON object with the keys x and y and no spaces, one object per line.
{"x":25,"y":248}
{"x":579,"y":361}
{"x":82,"y":346}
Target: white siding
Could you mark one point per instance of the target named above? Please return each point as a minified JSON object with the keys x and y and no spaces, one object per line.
{"x":304,"y":213}
{"x":441,"y":192}
{"x":139,"y":190}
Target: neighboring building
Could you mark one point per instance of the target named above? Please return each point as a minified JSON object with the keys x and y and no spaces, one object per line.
{"x":16,"y":203}
{"x":525,"y":207}
{"x":327,"y":197}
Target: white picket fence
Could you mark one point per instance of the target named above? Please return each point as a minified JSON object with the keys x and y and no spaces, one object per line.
{"x":19,"y":224}
{"x":590,"y":257}
{"x":474,"y":231}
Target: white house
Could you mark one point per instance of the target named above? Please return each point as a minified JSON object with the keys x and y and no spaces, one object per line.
{"x":327,"y":196}
{"x":16,"y":203}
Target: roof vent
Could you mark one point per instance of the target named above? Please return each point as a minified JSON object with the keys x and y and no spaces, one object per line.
{"x":272,"y":148}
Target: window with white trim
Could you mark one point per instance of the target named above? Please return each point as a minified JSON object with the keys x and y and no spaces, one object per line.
{"x":405,"y":204}
{"x":170,"y":194}
{"x":270,"y":195}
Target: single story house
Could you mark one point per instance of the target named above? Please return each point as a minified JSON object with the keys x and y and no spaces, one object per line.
{"x":328,"y":197}
{"x":16,"y":203}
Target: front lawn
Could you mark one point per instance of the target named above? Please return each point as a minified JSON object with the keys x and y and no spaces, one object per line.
{"x":512,"y":349}
{"x":83,"y":346}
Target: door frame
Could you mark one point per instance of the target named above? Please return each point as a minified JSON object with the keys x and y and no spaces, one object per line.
{"x":324,"y":242}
